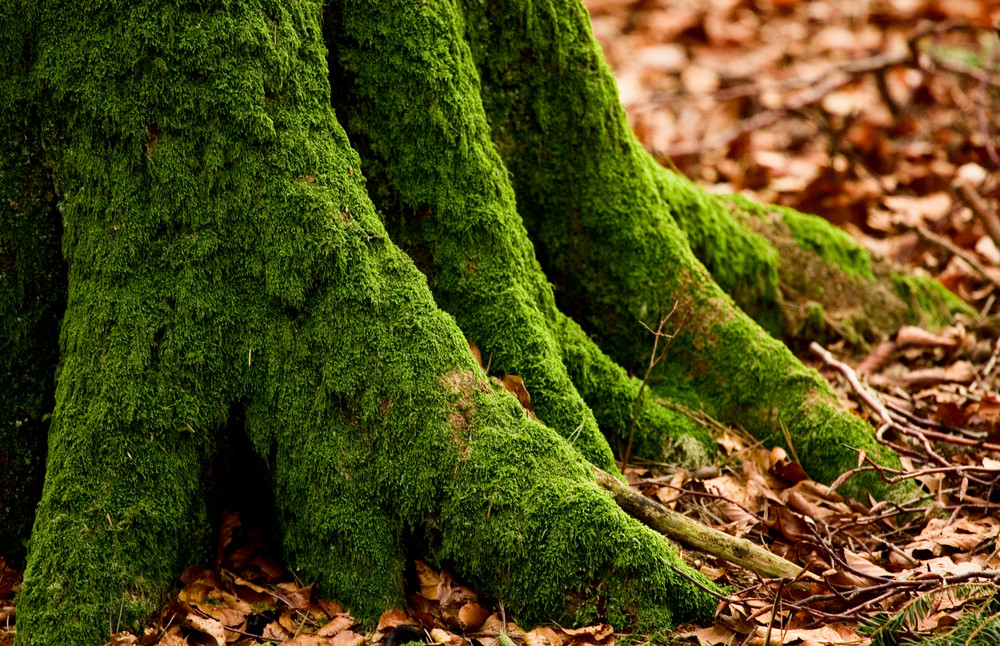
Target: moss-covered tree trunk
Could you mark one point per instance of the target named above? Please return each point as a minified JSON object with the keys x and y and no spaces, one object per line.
{"x":281,"y":221}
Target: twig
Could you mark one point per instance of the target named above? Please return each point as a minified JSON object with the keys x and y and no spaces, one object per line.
{"x":852,"y":377}
{"x":979,"y":208}
{"x":654,"y":360}
{"x":949,"y":246}
{"x":695,"y":535}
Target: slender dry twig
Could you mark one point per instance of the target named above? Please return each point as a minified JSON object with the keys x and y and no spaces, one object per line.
{"x":654,"y":360}
{"x":953,"y":249}
{"x":980,"y":209}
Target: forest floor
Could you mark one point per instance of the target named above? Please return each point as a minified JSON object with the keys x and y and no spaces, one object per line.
{"x":882,"y":116}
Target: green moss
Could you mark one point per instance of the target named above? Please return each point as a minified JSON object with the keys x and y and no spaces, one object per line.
{"x":930,"y":303}
{"x":817,"y":235}
{"x":223,"y":252}
{"x":742,"y":262}
{"x":660,"y":433}
{"x":32,"y":288}
{"x":606,"y":225}
{"x":447,"y":198}
{"x":472,"y":245}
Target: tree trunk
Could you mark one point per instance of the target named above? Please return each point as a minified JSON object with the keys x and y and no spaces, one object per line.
{"x":227,"y":278}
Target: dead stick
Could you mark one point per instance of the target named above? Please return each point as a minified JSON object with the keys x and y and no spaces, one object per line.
{"x":695,"y":535}
{"x":852,"y":377}
{"x":947,"y":244}
{"x":978,"y":206}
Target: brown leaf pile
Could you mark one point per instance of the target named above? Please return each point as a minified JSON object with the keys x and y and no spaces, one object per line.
{"x":10,"y":583}
{"x":879,"y":115}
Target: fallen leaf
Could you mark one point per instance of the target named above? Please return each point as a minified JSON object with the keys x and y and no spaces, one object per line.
{"x":347,"y":638}
{"x":865,"y":566}
{"x":713,"y":636}
{"x":476,"y":353}
{"x":958,"y":372}
{"x":393,"y":618}
{"x":472,"y":615}
{"x":305,"y":639}
{"x":914,"y":336}
{"x":445,"y":638}
{"x":210,"y":628}
{"x":173,"y":637}
{"x":429,"y":581}
{"x":515,"y":386}
{"x":341,"y":623}
{"x":544,"y":637}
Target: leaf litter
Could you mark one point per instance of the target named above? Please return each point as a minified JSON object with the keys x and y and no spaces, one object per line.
{"x":880,"y":115}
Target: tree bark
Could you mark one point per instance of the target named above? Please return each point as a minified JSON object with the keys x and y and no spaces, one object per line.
{"x":32,"y":291}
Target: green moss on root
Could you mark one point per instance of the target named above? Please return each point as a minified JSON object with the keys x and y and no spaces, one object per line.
{"x":930,"y":303}
{"x":591,"y":199}
{"x":471,"y":242}
{"x":222,"y":251}
{"x":32,"y":288}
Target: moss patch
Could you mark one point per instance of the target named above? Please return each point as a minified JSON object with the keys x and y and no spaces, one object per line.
{"x":223,"y":252}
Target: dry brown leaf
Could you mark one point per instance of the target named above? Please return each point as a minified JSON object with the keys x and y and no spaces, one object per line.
{"x":198,"y":573}
{"x":835,"y":634}
{"x":988,"y":409}
{"x":173,"y":637}
{"x":943,"y":566}
{"x":472,"y":615}
{"x":865,"y":565}
{"x":429,"y":581}
{"x":268,"y":567}
{"x":123,"y":639}
{"x":494,"y":624}
{"x":393,"y":618}
{"x":195,"y":592}
{"x":961,"y":534}
{"x":914,"y":336}
{"x":347,"y":638}
{"x":756,"y":468}
{"x":958,"y":372}
{"x":452,"y":595}
{"x":445,"y":638}
{"x":230,"y":523}
{"x":339,"y":624}
{"x":597,"y":632}
{"x":714,"y":635}
{"x":879,"y":356}
{"x":331,"y":608}
{"x":229,"y":617}
{"x":299,"y":598}
{"x":275,"y":631}
{"x":669,"y":495}
{"x":915,"y":210}
{"x":735,"y":494}
{"x":476,"y":353}
{"x":730,"y":442}
{"x":210,"y":628}
{"x":544,"y":637}
{"x":515,"y":386}
{"x":790,"y":471}
{"x":305,"y":639}
{"x":791,"y":525}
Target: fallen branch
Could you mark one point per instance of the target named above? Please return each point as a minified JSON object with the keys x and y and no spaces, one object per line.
{"x":980,"y":209}
{"x":695,"y":535}
{"x":953,"y":249}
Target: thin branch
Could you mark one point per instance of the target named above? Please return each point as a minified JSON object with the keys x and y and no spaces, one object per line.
{"x":654,"y":359}
{"x":695,"y":535}
{"x":980,"y":209}
{"x":953,"y":249}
